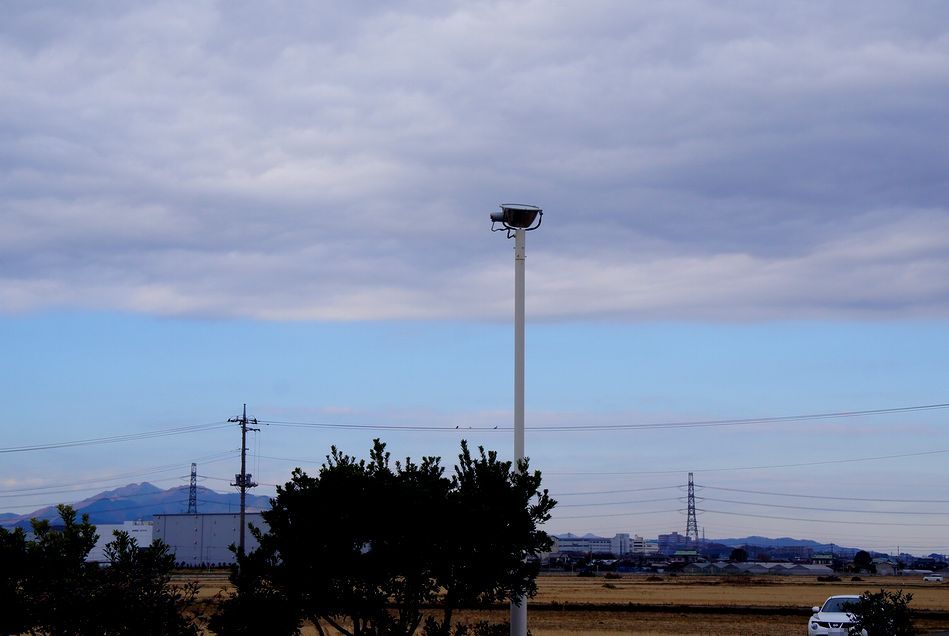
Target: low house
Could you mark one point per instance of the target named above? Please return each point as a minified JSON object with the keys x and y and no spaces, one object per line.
{"x":885,"y":567}
{"x":685,"y":556}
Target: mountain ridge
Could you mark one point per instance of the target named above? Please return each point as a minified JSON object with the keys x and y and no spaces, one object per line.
{"x":140,"y":501}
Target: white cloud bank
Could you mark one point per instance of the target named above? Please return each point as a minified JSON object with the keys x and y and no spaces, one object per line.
{"x":696,"y":160}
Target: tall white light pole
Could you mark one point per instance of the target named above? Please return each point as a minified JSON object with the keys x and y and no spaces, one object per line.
{"x":518,"y":219}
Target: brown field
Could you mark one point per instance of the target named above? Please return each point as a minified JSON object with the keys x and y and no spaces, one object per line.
{"x":691,"y":605}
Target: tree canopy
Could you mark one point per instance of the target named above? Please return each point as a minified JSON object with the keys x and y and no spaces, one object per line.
{"x":366,"y":545}
{"x":48,"y":587}
{"x":862,"y":561}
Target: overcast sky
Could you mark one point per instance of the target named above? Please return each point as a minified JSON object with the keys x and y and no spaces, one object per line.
{"x":205,"y":204}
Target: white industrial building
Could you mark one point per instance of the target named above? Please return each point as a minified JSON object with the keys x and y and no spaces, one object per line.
{"x":592,"y":544}
{"x":141,"y":531}
{"x":205,"y":539}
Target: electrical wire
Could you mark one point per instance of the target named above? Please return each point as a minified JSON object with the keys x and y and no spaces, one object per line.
{"x":843,"y":521}
{"x":613,"y":492}
{"x":737,"y":468}
{"x":837,"y":510}
{"x":619,"y":427}
{"x":113,"y":439}
{"x":618,"y":514}
{"x":618,"y":503}
{"x":828,"y":497}
{"x":56,"y":489}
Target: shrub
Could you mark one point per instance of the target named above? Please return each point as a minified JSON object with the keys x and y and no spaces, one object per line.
{"x":883,"y":613}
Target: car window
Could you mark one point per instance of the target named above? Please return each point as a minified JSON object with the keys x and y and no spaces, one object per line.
{"x":837,"y":604}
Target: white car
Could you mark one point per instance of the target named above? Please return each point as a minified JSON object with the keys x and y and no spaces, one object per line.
{"x":831,"y":618}
{"x":933,"y":578}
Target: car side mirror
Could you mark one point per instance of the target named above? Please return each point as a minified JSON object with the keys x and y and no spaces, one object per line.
{"x":815,"y":609}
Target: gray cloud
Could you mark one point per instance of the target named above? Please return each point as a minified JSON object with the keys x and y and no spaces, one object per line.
{"x":708,"y":160}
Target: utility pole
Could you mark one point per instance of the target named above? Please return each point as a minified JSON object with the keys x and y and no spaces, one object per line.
{"x":193,"y":492}
{"x":691,"y":525}
{"x":243,"y":480}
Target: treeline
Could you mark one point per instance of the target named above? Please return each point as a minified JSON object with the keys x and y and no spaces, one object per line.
{"x":365,"y":547}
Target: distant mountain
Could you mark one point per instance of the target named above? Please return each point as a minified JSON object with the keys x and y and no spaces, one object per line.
{"x":781,"y":542}
{"x":141,"y":501}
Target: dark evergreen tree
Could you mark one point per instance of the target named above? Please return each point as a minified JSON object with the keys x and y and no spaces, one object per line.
{"x":14,"y":567}
{"x":365,"y":545}
{"x":257,"y":605}
{"x":60,"y":586}
{"x":136,"y":595}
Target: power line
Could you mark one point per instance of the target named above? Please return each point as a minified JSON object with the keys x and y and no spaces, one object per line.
{"x":828,"y":497}
{"x":618,"y":503}
{"x":750,"y":503}
{"x":838,"y":510}
{"x":737,"y":468}
{"x":618,"y":514}
{"x":113,"y":439}
{"x":613,"y":492}
{"x":618,"y":427}
{"x":856,"y":523}
{"x":54,"y":489}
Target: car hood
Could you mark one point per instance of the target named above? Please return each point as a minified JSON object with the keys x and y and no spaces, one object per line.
{"x":834,"y":617}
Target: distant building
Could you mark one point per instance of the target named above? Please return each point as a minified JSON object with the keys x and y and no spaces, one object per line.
{"x":669,"y":543}
{"x":751,"y":567}
{"x":885,"y":567}
{"x":644,"y":547}
{"x":592,"y":544}
{"x":798,"y":553}
{"x":205,"y":539}
{"x":685,"y":556}
{"x":141,"y":531}
{"x":620,"y":544}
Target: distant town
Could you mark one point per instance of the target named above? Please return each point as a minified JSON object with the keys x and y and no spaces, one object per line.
{"x":202,"y":537}
{"x":674,"y":552}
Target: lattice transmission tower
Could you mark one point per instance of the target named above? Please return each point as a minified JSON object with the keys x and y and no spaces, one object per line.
{"x":193,"y":492}
{"x":691,"y":525}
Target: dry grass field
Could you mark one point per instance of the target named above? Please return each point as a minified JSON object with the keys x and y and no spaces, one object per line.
{"x":690,"y":605}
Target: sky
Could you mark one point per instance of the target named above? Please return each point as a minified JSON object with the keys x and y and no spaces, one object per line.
{"x":746,"y":220}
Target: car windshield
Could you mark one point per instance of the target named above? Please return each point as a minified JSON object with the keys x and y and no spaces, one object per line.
{"x":837,"y":604}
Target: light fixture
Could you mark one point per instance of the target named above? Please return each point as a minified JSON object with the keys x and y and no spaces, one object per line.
{"x":517,"y":216}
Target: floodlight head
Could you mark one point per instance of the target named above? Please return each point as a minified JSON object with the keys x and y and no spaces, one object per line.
{"x":516,"y":216}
